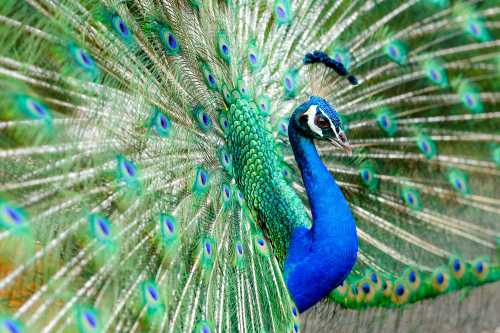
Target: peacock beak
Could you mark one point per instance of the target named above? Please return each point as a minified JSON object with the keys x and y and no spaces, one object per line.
{"x":344,"y":145}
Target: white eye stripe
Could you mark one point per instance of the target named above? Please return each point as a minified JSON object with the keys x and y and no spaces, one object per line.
{"x":330,"y":121}
{"x":311,"y":115}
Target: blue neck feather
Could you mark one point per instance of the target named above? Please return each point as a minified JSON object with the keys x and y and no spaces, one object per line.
{"x":320,"y":258}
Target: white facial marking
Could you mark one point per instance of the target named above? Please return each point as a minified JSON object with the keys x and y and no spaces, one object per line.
{"x":330,"y":121}
{"x":311,"y":114}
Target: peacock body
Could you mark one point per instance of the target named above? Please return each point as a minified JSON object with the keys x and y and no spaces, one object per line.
{"x":183,"y":166}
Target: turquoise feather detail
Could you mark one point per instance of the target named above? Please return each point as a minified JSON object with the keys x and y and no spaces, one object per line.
{"x":203,"y":119}
{"x":100,"y":229}
{"x":210,"y":79}
{"x":127,"y":173}
{"x":435,"y":72}
{"x":290,"y":83}
{"x":170,"y":43}
{"x":341,"y":55}
{"x":12,"y":218}
{"x":151,"y":297}
{"x":84,"y":61}
{"x":88,"y":320}
{"x":387,"y":121}
{"x":396,"y":51}
{"x":426,"y":146}
{"x":169,"y":230}
{"x":283,"y":13}
{"x":369,"y":176}
{"x":223,"y":46}
{"x":254,"y":58}
{"x":161,"y":124}
{"x":8,"y":325}
{"x":34,"y":109}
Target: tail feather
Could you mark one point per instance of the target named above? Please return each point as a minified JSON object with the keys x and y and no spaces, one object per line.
{"x":119,"y":207}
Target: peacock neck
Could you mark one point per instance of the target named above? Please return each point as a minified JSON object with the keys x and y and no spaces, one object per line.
{"x":321,"y":257}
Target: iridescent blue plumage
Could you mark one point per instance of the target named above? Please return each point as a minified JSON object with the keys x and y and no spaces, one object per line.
{"x":320,"y":258}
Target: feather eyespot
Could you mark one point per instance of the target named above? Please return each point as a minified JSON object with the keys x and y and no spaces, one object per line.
{"x":152,"y":292}
{"x":239,"y":248}
{"x":120,"y":27}
{"x":87,"y":320}
{"x":208,"y":248}
{"x":456,"y":265}
{"x":11,"y":326}
{"x":11,"y":217}
{"x":37,"y":108}
{"x":400,"y":290}
{"x":90,"y":318}
{"x":169,"y":225}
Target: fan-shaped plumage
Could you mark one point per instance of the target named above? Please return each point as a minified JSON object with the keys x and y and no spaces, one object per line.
{"x":148,"y":181}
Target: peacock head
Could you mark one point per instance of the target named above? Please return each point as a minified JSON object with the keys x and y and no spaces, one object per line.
{"x":317,"y":119}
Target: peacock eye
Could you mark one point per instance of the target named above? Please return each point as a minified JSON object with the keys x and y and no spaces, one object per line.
{"x":322,"y":122}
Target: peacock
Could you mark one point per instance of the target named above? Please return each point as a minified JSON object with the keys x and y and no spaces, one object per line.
{"x":222,"y":166}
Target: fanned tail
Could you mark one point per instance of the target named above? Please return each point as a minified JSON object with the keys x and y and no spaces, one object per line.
{"x":118,"y":207}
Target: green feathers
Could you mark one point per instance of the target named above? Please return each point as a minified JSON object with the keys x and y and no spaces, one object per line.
{"x":100,"y":229}
{"x":83,"y":62}
{"x":368,"y":176}
{"x":470,"y":97}
{"x":116,"y":24}
{"x":436,"y":73}
{"x":412,"y":198}
{"x":161,"y":124}
{"x":34,"y":109}
{"x":202,"y":118}
{"x":290,"y":82}
{"x":210,"y":79}
{"x":387,"y":121}
{"x":378,"y":290}
{"x":169,"y":42}
{"x":87,"y":320}
{"x":223,"y":46}
{"x":127,"y":173}
{"x":151,"y":297}
{"x":396,"y":51}
{"x":12,"y":218}
{"x":207,"y":252}
{"x":459,"y":181}
{"x":143,"y":145}
{"x":264,"y":104}
{"x":282,"y":11}
{"x":201,"y":183}
{"x":169,"y":230}
{"x":426,"y":146}
{"x":254,"y":58}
